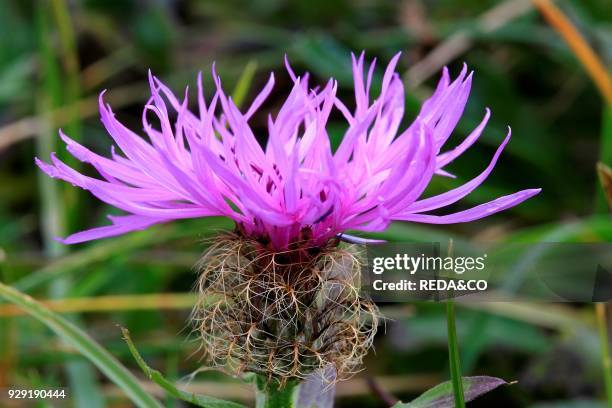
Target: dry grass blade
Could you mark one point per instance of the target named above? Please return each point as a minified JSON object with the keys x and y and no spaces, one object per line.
{"x":164,"y":301}
{"x":26,"y":128}
{"x":579,"y":46}
{"x":605,"y":178}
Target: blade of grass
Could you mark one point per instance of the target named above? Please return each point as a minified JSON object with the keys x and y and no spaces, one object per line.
{"x":453,"y":347}
{"x":549,"y":316}
{"x":70,"y":62}
{"x":162,"y":301}
{"x":453,"y":355}
{"x":117,"y":246}
{"x":52,"y":217}
{"x":87,"y":346}
{"x":62,"y":205}
{"x":602,"y":328}
{"x":69,"y":264}
{"x":71,"y":89}
{"x":99,"y":71}
{"x":600,"y":308}
{"x":170,"y":388}
{"x":8,"y":349}
{"x":594,"y":67}
{"x":25,"y":128}
{"x":244,"y":83}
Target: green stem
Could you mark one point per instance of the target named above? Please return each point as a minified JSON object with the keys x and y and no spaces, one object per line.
{"x":453,"y":355}
{"x":600,"y":311}
{"x":269,"y":395}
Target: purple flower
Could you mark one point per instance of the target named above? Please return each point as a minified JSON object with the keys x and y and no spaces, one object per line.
{"x":209,"y":163}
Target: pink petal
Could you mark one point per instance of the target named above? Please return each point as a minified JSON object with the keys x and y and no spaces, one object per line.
{"x":475,"y":213}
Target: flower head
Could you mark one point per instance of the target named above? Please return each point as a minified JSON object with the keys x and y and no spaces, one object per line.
{"x":296,"y":187}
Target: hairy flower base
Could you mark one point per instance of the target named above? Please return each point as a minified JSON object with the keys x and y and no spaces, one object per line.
{"x":283,"y":315}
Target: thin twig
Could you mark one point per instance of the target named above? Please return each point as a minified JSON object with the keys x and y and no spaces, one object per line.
{"x":387,"y":398}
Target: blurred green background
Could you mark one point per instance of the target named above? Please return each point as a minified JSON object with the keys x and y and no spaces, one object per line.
{"x":57,"y":55}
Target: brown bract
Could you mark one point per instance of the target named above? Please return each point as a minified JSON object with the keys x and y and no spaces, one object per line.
{"x":283,"y":315}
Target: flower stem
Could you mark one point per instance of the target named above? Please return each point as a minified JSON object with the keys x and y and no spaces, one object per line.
{"x":272,"y":396}
{"x":600,"y":311}
{"x":453,"y":355}
{"x":453,"y":346}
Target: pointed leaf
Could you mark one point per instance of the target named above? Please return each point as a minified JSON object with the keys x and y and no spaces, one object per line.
{"x":441,"y":396}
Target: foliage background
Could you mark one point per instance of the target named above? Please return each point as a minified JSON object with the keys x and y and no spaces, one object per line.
{"x":57,"y":55}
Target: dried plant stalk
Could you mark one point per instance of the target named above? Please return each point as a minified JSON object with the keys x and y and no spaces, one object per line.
{"x":283,"y":315}
{"x":605,"y":177}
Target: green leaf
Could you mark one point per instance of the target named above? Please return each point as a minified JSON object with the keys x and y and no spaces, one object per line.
{"x":428,"y":327}
{"x":441,"y":396}
{"x":169,"y":387}
{"x":324,"y":56}
{"x":453,"y":352}
{"x":87,"y":346}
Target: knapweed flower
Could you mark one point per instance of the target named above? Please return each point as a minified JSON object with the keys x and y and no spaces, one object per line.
{"x":288,"y":299}
{"x":207,"y":164}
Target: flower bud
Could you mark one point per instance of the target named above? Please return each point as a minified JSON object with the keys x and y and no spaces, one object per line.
{"x":283,"y":315}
